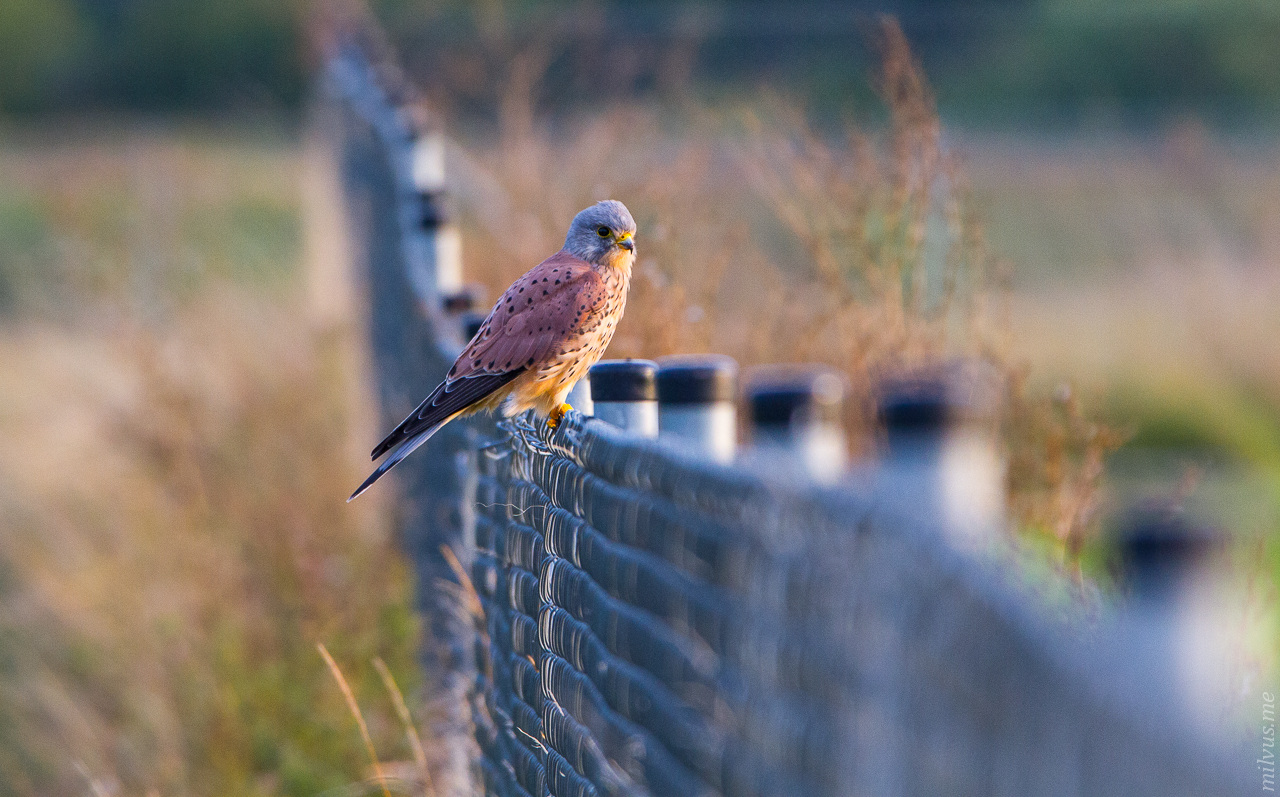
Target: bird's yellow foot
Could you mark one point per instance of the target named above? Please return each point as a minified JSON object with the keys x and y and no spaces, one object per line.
{"x":557,"y":415}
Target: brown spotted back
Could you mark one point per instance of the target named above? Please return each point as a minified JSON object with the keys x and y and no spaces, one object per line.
{"x":562,"y":311}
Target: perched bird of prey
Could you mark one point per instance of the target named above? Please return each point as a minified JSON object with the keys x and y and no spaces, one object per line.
{"x":542,"y":336}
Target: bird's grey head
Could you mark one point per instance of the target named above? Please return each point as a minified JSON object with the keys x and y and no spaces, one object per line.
{"x":602,"y":233}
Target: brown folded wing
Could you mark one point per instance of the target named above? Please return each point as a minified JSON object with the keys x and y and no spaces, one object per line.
{"x":537,"y":318}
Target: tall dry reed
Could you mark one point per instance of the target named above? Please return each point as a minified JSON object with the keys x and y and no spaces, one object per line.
{"x":774,"y":239}
{"x":173,"y":432}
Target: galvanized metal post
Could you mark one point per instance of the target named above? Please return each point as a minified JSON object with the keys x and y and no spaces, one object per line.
{"x":580,"y":397}
{"x":438,"y":273}
{"x":1178,"y":610}
{"x":943,"y":451}
{"x":625,"y":394}
{"x":410,"y":261}
{"x":471,"y":322}
{"x":795,"y":422}
{"x":696,"y":404}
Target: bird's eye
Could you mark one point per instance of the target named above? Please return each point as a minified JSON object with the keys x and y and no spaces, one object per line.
{"x":603,"y":232}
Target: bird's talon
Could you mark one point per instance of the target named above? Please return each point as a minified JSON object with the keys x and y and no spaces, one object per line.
{"x":557,"y":415}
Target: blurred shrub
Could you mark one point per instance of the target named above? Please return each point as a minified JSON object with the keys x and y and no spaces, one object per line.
{"x":204,"y":53}
{"x":1143,"y":60}
{"x":41,"y":42}
{"x":1007,"y":60}
{"x":78,"y":55}
{"x":771,"y":239}
{"x":1003,"y":61}
{"x":26,"y":254}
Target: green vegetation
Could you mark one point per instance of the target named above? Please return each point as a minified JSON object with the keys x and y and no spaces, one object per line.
{"x":995,"y":61}
{"x":1134,"y":62}
{"x":1002,"y":63}
{"x":172,"y":55}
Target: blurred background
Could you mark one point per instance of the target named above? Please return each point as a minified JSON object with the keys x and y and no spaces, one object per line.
{"x":1085,"y":193}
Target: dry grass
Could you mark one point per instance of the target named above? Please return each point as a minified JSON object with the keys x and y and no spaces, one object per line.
{"x":859,"y":245}
{"x":354,"y":708}
{"x":1150,"y":283}
{"x":176,"y":542}
{"x":771,"y":240}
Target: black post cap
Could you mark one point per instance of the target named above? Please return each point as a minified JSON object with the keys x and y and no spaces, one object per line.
{"x":471,"y":323}
{"x":623,"y":380}
{"x":915,"y":406}
{"x":697,"y":379}
{"x":945,"y":395}
{"x":434,"y":214}
{"x":463,"y":300}
{"x":812,"y":396}
{"x":1159,"y":548}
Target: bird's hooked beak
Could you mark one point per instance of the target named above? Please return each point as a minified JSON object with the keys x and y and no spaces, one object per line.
{"x":626,"y":242}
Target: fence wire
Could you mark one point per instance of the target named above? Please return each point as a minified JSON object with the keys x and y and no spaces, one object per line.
{"x":659,"y":625}
{"x":655,"y":624}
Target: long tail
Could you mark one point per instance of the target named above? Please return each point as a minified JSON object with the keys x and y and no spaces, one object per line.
{"x":450,"y":399}
{"x":400,"y":452}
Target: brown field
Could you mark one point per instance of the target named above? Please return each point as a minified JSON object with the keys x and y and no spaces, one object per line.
{"x":176,"y":541}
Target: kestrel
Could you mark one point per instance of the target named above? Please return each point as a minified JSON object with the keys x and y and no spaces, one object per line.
{"x":542,"y":336}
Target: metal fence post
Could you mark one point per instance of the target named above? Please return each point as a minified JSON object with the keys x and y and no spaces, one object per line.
{"x":795,"y":422}
{"x":580,"y":397}
{"x":1177,"y":611}
{"x":624,"y":393}
{"x":943,"y":449}
{"x":697,"y":404}
{"x":437,"y":270}
{"x":399,"y":256}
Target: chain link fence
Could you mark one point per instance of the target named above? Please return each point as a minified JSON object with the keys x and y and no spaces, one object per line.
{"x":626,"y":619}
